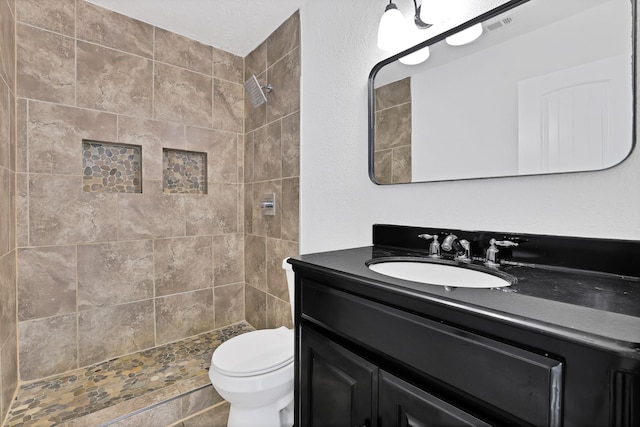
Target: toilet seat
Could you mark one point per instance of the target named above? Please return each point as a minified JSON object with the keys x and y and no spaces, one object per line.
{"x":254,"y":353}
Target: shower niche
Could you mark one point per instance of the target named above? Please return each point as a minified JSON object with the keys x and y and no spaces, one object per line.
{"x":184,"y":171}
{"x":111,"y":168}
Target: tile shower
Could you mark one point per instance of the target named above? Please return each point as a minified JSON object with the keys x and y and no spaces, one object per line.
{"x":143,"y":257}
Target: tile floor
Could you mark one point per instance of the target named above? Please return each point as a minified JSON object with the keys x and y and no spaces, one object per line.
{"x":75,"y":394}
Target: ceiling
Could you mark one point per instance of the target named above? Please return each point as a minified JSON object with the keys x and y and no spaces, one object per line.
{"x":236,"y":26}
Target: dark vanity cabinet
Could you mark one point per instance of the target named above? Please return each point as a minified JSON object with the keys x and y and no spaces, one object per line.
{"x":372,"y":356}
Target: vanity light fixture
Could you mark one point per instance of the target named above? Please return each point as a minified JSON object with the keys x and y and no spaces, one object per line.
{"x":465,"y":36}
{"x":392,"y":31}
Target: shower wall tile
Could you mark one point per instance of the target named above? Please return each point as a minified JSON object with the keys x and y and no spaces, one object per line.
{"x":248,"y":208}
{"x":256,"y":62}
{"x":256,"y":307}
{"x":5,"y":127}
{"x":111,"y":29}
{"x":183,"y":315}
{"x":8,"y":371}
{"x":382,"y":166}
{"x":401,"y":164}
{"x":183,"y":96}
{"x":267,"y":145}
{"x":227,"y":66}
{"x":228,"y":105}
{"x":53,"y":15}
{"x":152,"y":214}
{"x":223,"y":166}
{"x":284,"y":39}
{"x":291,"y":145}
{"x":7,"y":210}
{"x":56,"y":132}
{"x":228,"y":259}
{"x":45,"y":65}
{"x":152,"y":136}
{"x":264,"y":225}
{"x":278,"y":313}
{"x":21,"y":135}
{"x":46,"y":282}
{"x":290,"y":209}
{"x":114,"y":273}
{"x":108,"y":332}
{"x":277,"y":250}
{"x":210,"y":215}
{"x":7,"y":44}
{"x":393,"y":127}
{"x":61,"y":213}
{"x":7,"y":295}
{"x":183,"y":265}
{"x":229,"y":304}
{"x":393,"y":94}
{"x":111,"y":80}
{"x":249,"y":157}
{"x":183,"y":52}
{"x":22,"y":210}
{"x":255,"y":262}
{"x":284,"y":75}
{"x":47,"y":346}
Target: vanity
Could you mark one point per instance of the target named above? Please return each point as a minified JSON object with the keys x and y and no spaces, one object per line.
{"x":558,"y":346}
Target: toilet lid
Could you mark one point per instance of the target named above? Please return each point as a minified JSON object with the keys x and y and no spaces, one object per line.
{"x":254,"y":353}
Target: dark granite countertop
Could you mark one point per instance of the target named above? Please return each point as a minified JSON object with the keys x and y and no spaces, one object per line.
{"x":593,"y":308}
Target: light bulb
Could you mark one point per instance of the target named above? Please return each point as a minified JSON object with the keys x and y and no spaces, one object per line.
{"x":415,"y":36}
{"x":465,"y":36}
{"x":391,"y":31}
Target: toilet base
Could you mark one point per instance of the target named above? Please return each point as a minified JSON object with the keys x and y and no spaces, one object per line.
{"x":278,"y":414}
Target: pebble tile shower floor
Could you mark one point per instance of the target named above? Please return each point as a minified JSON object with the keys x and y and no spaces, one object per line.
{"x":58,"y":401}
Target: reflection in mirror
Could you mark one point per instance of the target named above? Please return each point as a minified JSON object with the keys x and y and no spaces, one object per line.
{"x":546,"y":89}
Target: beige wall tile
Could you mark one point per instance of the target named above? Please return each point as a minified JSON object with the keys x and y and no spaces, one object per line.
{"x":7,"y":210}
{"x":199,"y":400}
{"x":21,"y":135}
{"x":255,"y":307}
{"x":61,"y":213}
{"x":393,"y":94}
{"x":5,"y":128}
{"x":8,"y":372}
{"x":277,"y":250}
{"x":47,"y":346}
{"x":229,"y":304}
{"x":213,"y":213}
{"x":249,"y":157}
{"x":248,"y":208}
{"x":114,"y":273}
{"x":265,"y":225}
{"x":45,"y":65}
{"x":222,"y":151}
{"x":256,"y":61}
{"x":111,"y":80}
{"x":108,"y":332}
{"x":163,"y":414}
{"x":284,"y":39}
{"x":401,"y":164}
{"x":152,"y":136}
{"x":214,"y":417}
{"x":382,"y":166}
{"x":291,"y":145}
{"x":46,"y":282}
{"x":284,"y":75}
{"x":184,"y":315}
{"x":183,"y":265}
{"x":111,"y":29}
{"x":228,"y":259}
{"x":7,"y":295}
{"x":255,"y":261}
{"x":290,"y":209}
{"x":22,"y":210}
{"x":152,"y":214}
{"x":278,"y":313}
{"x":54,"y":15}
{"x":182,"y":96}
{"x":393,"y":127}
{"x":228,"y":105}
{"x":227,"y":66}
{"x":7,"y":44}
{"x":183,"y":52}
{"x":267,"y":142}
{"x":56,"y":133}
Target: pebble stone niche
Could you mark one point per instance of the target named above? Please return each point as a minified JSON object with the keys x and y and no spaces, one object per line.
{"x":111,"y":168}
{"x":184,"y":171}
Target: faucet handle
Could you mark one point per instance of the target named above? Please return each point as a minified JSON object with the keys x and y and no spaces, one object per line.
{"x":492,"y":259}
{"x":434,"y":247}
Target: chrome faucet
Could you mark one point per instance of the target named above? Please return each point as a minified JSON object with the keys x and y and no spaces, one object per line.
{"x":460,"y":248}
{"x":493,"y":253}
{"x":434,"y":247}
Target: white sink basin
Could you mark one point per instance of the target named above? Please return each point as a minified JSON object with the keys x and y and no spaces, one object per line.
{"x":449,"y":276}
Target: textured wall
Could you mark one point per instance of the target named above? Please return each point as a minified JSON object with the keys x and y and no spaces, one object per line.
{"x":339,"y":203}
{"x":272,"y":144}
{"x":8,"y":327}
{"x":105,"y":274}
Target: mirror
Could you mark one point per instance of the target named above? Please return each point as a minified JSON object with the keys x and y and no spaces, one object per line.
{"x":547,"y":88}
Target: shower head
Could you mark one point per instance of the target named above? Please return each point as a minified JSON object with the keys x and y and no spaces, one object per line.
{"x":255,"y":91}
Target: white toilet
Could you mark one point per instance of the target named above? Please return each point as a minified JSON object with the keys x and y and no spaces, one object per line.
{"x":254,"y":373}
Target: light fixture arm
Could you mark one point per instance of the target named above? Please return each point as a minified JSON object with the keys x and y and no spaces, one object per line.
{"x":416,"y":18}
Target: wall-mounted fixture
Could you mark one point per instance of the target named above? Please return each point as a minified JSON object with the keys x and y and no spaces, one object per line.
{"x":394,"y":34}
{"x":256,"y":91}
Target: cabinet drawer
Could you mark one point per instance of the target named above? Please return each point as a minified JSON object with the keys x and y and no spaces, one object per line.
{"x":524,"y":384}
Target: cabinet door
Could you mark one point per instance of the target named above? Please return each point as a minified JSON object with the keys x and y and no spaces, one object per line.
{"x":404,"y":405}
{"x":337,"y":387}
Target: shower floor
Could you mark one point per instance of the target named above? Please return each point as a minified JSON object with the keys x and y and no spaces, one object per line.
{"x":124,"y":385}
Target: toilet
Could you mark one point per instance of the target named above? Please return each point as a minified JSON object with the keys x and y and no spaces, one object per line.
{"x":254,"y":373}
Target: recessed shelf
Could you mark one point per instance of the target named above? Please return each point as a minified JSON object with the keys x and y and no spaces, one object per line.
{"x":184,"y":171}
{"x":111,"y":168}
